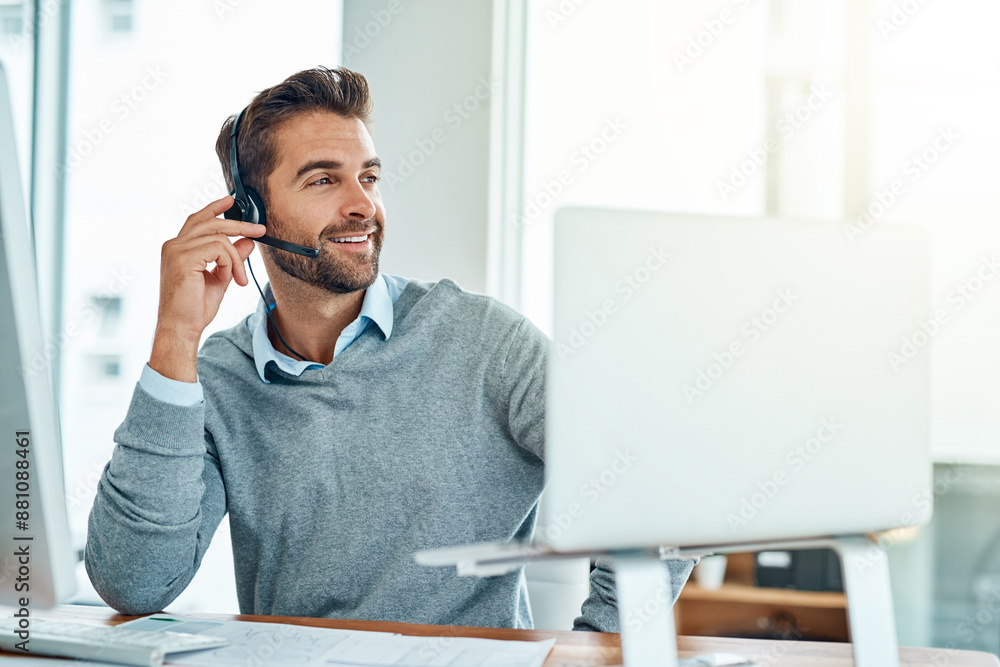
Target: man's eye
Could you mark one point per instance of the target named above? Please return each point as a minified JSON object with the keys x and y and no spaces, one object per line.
{"x":371,"y":179}
{"x":321,"y":181}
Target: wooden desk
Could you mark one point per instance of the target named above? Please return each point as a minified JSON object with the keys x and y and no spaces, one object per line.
{"x":590,"y":649}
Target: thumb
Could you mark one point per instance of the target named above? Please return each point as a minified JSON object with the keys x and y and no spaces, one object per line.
{"x":244,"y":247}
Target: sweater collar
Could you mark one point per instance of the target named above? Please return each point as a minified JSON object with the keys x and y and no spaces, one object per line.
{"x":376,"y":307}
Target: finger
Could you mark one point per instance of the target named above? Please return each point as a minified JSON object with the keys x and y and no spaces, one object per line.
{"x":223,"y":272}
{"x":224,"y":227}
{"x":234,"y":262}
{"x":199,"y":252}
{"x":244,"y":247}
{"x":224,"y":263}
{"x":213,"y":210}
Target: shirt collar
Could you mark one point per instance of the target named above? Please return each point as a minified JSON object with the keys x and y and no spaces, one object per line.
{"x":376,"y":307}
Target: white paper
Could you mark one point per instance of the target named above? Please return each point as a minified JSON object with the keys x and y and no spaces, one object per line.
{"x":408,"y":651}
{"x":284,"y":645}
{"x":251,"y":644}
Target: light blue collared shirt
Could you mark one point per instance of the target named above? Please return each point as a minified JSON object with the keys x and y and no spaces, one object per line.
{"x":376,"y":307}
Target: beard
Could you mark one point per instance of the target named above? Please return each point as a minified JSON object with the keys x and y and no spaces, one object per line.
{"x":337,"y":273}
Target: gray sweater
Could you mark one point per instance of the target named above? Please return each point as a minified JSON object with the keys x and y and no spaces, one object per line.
{"x":332,"y":479}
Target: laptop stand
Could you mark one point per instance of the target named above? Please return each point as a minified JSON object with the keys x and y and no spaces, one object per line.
{"x":643,"y":589}
{"x":646,"y":619}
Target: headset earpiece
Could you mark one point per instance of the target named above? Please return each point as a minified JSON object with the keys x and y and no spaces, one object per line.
{"x":255,"y":208}
{"x":235,"y":212}
{"x":249,"y":207}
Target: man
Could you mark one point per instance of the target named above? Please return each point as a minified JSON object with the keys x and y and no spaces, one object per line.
{"x":355,"y":418}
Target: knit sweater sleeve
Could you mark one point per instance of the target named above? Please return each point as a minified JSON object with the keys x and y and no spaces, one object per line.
{"x":524,"y":387}
{"x":600,"y":610}
{"x":158,"y":504}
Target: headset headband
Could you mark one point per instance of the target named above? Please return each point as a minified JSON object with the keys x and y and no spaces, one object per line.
{"x":234,"y":168}
{"x":247,"y":204}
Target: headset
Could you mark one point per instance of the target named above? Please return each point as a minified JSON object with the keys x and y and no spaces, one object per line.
{"x":248,"y":206}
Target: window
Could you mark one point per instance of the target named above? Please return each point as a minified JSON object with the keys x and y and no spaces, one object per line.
{"x":12,"y":19}
{"x":103,"y":368}
{"x":16,"y":54}
{"x":119,"y":15}
{"x":110,"y":311}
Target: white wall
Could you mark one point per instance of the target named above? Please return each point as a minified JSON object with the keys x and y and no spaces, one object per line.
{"x":429,"y":65}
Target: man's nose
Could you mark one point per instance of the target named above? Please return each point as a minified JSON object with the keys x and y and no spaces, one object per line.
{"x":358,"y":203}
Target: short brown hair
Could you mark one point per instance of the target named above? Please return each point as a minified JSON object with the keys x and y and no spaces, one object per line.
{"x":337,"y":90}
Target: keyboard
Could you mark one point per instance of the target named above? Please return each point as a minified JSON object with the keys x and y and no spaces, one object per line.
{"x":120,"y":645}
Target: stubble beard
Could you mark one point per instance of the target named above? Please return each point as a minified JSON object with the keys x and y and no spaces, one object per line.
{"x":348,"y":272}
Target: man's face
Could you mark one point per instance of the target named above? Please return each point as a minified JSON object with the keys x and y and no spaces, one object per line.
{"x":322,"y":191}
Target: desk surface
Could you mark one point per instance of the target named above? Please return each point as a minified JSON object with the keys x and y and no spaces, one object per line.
{"x":594,"y":649}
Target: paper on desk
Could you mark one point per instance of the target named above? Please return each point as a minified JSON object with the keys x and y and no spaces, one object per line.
{"x":284,"y":645}
{"x":251,"y":644}
{"x":407,"y":651}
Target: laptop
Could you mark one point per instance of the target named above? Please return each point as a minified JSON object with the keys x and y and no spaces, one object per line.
{"x":716,"y":380}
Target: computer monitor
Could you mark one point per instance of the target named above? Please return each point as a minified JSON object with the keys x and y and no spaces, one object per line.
{"x":36,"y":560}
{"x":723,"y":381}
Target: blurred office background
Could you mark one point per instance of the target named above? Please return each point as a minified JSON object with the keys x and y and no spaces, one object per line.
{"x":489,"y":115}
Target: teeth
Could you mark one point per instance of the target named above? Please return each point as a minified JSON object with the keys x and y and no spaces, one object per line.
{"x":351,"y":239}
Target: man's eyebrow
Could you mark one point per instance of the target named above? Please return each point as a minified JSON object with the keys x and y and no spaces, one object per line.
{"x":332,"y":165}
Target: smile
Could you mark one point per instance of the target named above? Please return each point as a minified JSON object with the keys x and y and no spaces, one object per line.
{"x":351,"y":239}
